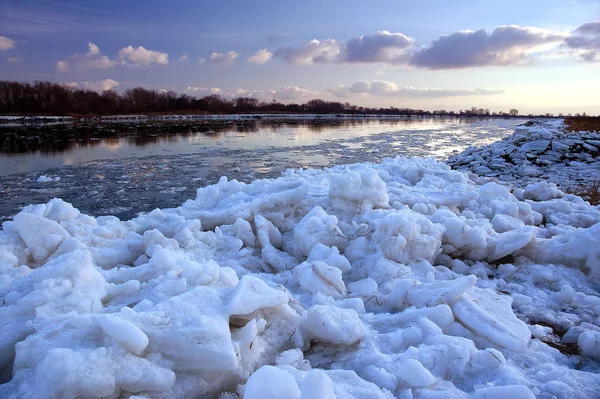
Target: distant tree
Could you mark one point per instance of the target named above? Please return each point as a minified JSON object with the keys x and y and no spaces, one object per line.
{"x":513,"y":112}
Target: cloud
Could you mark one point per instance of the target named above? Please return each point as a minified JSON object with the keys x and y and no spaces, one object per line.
{"x":6,"y":43}
{"x":506,"y":45}
{"x":14,"y":60}
{"x":99,"y":85}
{"x":260,"y":57}
{"x":382,"y":88}
{"x":183,"y":59}
{"x":127,"y":56}
{"x":223,"y":58}
{"x":203,"y":91}
{"x":201,"y":61}
{"x":383,"y":47}
{"x":290,"y":93}
{"x":313,"y":52}
{"x":93,"y":49}
{"x":141,"y":57}
{"x":287,"y":93}
{"x":93,"y":59}
{"x":585,"y":41}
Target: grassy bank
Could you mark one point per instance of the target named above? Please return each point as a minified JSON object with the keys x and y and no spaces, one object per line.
{"x":591,"y":124}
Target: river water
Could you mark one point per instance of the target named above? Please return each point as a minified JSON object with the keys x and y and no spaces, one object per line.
{"x":123,"y":168}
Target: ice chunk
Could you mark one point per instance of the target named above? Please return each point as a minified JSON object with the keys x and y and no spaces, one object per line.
{"x":193,"y":328}
{"x":503,"y":223}
{"x":333,"y":324}
{"x":329,"y":255}
{"x":317,"y":227}
{"x":512,"y":241}
{"x":47,"y":179}
{"x":490,"y":316}
{"x":405,"y":236}
{"x":273,"y":383}
{"x":503,"y":392}
{"x":319,"y":277}
{"x":441,"y":292}
{"x":124,"y":332}
{"x":266,"y":232}
{"x":252,"y":294}
{"x":413,"y":372}
{"x":364,"y":287}
{"x":358,"y":190}
{"x":589,"y":344}
{"x":317,"y":385}
{"x":42,"y":236}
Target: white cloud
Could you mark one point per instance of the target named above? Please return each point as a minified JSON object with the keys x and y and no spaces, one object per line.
{"x":93,"y":49}
{"x":14,"y":60}
{"x":99,"y":85}
{"x":506,"y":45}
{"x":6,"y":43}
{"x":381,"y":47}
{"x":223,"y":58}
{"x":183,"y":59}
{"x":128,"y":56}
{"x":140,"y":57}
{"x":260,"y":57}
{"x":201,"y":61}
{"x":203,"y":91}
{"x":62,"y":66}
{"x":313,"y":52}
{"x":90,"y":60}
{"x":382,"y":88}
{"x":291,"y":93}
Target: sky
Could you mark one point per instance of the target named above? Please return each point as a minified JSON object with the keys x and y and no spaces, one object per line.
{"x":536,"y":55}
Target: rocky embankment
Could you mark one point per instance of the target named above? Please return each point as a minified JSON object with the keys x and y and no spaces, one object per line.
{"x":536,"y":151}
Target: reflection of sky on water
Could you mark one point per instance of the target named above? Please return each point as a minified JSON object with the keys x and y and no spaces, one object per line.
{"x":22,"y":150}
{"x":124,"y":175}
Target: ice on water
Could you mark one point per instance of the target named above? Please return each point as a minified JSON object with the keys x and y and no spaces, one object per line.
{"x":401,"y":279}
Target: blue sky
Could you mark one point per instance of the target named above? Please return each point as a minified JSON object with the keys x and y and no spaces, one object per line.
{"x":537,"y":56}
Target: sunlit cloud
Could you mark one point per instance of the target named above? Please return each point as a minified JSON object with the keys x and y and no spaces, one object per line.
{"x":128,"y":56}
{"x":260,"y":57}
{"x":140,"y":57}
{"x":223,"y":58}
{"x":93,"y":59}
{"x":99,"y":85}
{"x":6,"y":43}
{"x":183,"y":59}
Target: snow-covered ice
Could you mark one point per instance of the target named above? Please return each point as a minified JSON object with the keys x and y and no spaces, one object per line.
{"x":400,"y":279}
{"x":537,"y":150}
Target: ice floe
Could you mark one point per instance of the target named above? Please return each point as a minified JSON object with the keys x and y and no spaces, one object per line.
{"x":402,"y":279}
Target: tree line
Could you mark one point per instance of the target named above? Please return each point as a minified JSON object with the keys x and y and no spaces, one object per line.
{"x":47,"y":98}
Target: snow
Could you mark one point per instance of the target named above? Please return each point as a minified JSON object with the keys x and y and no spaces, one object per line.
{"x":401,"y":279}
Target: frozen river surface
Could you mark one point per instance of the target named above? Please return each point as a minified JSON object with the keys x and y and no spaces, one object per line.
{"x":122,"y":169}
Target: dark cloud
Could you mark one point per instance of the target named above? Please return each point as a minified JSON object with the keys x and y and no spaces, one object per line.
{"x":585,"y":41}
{"x":506,"y":45}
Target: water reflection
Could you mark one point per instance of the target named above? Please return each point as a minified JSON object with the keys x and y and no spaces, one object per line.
{"x":63,"y":138}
